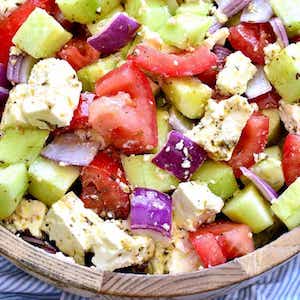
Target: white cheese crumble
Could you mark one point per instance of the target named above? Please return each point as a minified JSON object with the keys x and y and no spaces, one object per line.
{"x":29,"y":215}
{"x":8,"y":6}
{"x":290,"y":116}
{"x":219,"y":130}
{"x":237,"y":72}
{"x":194,"y":204}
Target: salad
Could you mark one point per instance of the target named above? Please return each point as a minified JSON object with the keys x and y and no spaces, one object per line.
{"x":149,"y":136}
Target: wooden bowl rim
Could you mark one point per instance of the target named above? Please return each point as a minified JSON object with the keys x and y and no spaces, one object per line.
{"x":91,"y":282}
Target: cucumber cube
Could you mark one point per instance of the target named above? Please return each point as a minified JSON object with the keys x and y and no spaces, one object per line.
{"x":41,"y":35}
{"x":21,"y":145}
{"x":287,"y":206}
{"x":219,"y":177}
{"x":270,"y":169}
{"x":81,"y":11}
{"x":141,"y":172}
{"x":163,"y":127}
{"x":189,"y":95}
{"x":249,"y":207}
{"x":91,"y":73}
{"x":288,"y":11}
{"x":200,"y":8}
{"x":48,"y":181}
{"x":13,"y":185}
{"x":274,"y":125}
{"x":152,"y":13}
{"x":283,"y":72}
{"x":185,"y":30}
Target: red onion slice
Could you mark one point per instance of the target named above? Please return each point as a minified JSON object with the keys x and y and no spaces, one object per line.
{"x":39,"y":243}
{"x":180,"y":156}
{"x":259,"y":85}
{"x":3,"y":79}
{"x":178,"y":121}
{"x":214,"y":27}
{"x":116,"y":34}
{"x":258,"y":11}
{"x":4,"y":93}
{"x":280,"y":31}
{"x":70,"y":149}
{"x":232,"y":7}
{"x":151,"y":213}
{"x":267,"y":191}
{"x":19,"y":67}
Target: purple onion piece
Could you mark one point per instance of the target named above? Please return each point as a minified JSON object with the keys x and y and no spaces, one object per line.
{"x":258,"y":11}
{"x":232,"y":7}
{"x":180,"y":156}
{"x":3,"y":79}
{"x":279,"y":30}
{"x":259,"y":85}
{"x":178,"y":121}
{"x":19,"y":67}
{"x":267,"y":191}
{"x":116,"y":34}
{"x":39,"y":243}
{"x":151,"y":213}
{"x":214,"y":27}
{"x":70,"y":149}
{"x":3,"y":95}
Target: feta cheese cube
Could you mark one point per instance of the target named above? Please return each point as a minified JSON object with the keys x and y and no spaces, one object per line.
{"x":8,"y":6}
{"x":219,"y":130}
{"x":47,"y":101}
{"x":194,"y":204}
{"x":70,"y":225}
{"x":217,"y":38}
{"x":114,"y":248}
{"x":290,"y":116}
{"x":238,"y":71}
{"x":29,"y":215}
{"x":77,"y":230}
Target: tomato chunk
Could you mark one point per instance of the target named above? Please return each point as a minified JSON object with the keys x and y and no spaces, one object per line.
{"x":291,"y":158}
{"x":78,"y":53}
{"x":173,"y":65}
{"x":104,"y":186}
{"x":251,"y":39}
{"x":208,"y":249}
{"x":226,"y":239}
{"x":10,"y":25}
{"x":253,"y":140}
{"x":125,"y":112}
{"x":268,"y":100}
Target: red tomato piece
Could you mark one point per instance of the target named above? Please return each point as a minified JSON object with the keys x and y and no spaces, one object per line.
{"x":268,"y":100}
{"x":208,"y":249}
{"x":10,"y":25}
{"x":173,"y":65}
{"x":291,"y":158}
{"x":253,"y":140}
{"x":251,"y":39}
{"x":78,"y":53}
{"x":125,"y":112}
{"x":104,"y":186}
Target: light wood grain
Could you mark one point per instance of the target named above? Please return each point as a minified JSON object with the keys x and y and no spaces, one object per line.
{"x":92,"y":282}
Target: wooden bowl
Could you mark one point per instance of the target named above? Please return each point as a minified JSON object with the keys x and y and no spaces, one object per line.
{"x":203,"y":284}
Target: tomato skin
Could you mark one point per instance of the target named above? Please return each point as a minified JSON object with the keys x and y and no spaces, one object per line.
{"x":291,"y":158}
{"x":173,"y":65}
{"x":78,"y":53}
{"x":10,"y":25}
{"x":251,"y":39}
{"x":254,"y":139}
{"x":103,"y":183}
{"x":208,"y":249}
{"x":136,"y":132}
{"x":268,"y":100}
{"x":223,"y":241}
